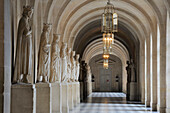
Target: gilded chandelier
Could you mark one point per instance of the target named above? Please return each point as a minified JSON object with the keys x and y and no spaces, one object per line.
{"x":108,"y":28}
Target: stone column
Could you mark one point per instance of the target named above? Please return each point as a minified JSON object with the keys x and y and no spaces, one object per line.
{"x":153,"y":69}
{"x":168,"y":65}
{"x":5,"y":56}
{"x":161,"y":106}
{"x":142,"y":71}
{"x":147,"y":73}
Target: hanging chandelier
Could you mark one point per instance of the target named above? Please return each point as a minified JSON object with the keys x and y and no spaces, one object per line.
{"x":105,"y":62}
{"x":108,"y":28}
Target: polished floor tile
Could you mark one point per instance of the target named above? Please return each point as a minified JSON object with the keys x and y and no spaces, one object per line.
{"x":108,"y":102}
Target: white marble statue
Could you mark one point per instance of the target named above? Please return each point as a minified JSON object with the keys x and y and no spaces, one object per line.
{"x":23,"y":59}
{"x":73,"y":66}
{"x":132,"y":70}
{"x":77,"y":67}
{"x":88,"y":73}
{"x":55,"y":75}
{"x":44,"y":55}
{"x":63,"y":56}
{"x":68,"y":65}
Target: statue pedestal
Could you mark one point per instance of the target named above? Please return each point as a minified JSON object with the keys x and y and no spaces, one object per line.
{"x":76,"y":93}
{"x":128,"y":91}
{"x":70,"y":94}
{"x":56,"y":98}
{"x":65,"y":98}
{"x":23,"y":98}
{"x":44,"y":98}
{"x":133,"y":89}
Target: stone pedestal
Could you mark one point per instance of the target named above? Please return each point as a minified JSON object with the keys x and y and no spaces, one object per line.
{"x":23,"y":98}
{"x":133,"y":91}
{"x":44,"y":98}
{"x":65,"y":98}
{"x":78,"y":93}
{"x":56,"y":97}
{"x":128,"y":91}
{"x":70,"y":96}
{"x":75,"y":93}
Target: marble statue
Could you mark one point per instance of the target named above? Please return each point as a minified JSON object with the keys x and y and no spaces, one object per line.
{"x":88,"y":73}
{"x":128,"y":72}
{"x":73,"y":66}
{"x":44,"y":55}
{"x":68,"y":65}
{"x":23,"y":59}
{"x":55,"y":75}
{"x":132,"y":70}
{"x":63,"y":56}
{"x":77,"y":67}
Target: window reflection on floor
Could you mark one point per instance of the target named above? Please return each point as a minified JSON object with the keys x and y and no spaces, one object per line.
{"x":107,"y":102}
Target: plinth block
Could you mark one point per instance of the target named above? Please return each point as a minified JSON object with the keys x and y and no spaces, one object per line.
{"x":65,"y":100}
{"x":70,"y":94}
{"x":133,"y":89}
{"x":56,"y":98}
{"x":44,"y":98}
{"x":78,"y":93}
{"x":23,"y":98}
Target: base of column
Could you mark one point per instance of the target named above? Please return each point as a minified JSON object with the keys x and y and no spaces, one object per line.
{"x":167,"y":110}
{"x":65,"y":100}
{"x":153,"y":106}
{"x":23,"y":98}
{"x":147,"y":103}
{"x":161,"y":109}
{"x":143,"y":100}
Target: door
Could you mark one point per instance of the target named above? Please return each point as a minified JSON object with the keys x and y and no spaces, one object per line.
{"x":105,"y":80}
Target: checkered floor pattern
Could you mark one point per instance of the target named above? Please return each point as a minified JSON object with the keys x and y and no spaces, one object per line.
{"x":110,"y":103}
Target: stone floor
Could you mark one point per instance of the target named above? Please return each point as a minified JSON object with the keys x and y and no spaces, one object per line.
{"x":110,"y":103}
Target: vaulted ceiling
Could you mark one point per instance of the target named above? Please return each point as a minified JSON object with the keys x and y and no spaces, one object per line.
{"x":79,"y":22}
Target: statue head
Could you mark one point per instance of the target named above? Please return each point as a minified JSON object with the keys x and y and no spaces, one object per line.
{"x":73,"y":53}
{"x":56,"y":38}
{"x":68,"y":50}
{"x":127,"y":62}
{"x":64,"y":45}
{"x":77,"y":56}
{"x":27,"y":11}
{"x":47,"y":27}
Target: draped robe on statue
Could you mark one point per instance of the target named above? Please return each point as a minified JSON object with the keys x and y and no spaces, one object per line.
{"x":68,"y":66}
{"x":23,"y":59}
{"x":63,"y":64}
{"x":44,"y":55}
{"x":55,"y":64}
{"x":77,"y":70}
{"x":73,"y":67}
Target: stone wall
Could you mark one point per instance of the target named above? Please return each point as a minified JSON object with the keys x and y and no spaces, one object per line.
{"x":107,"y":80}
